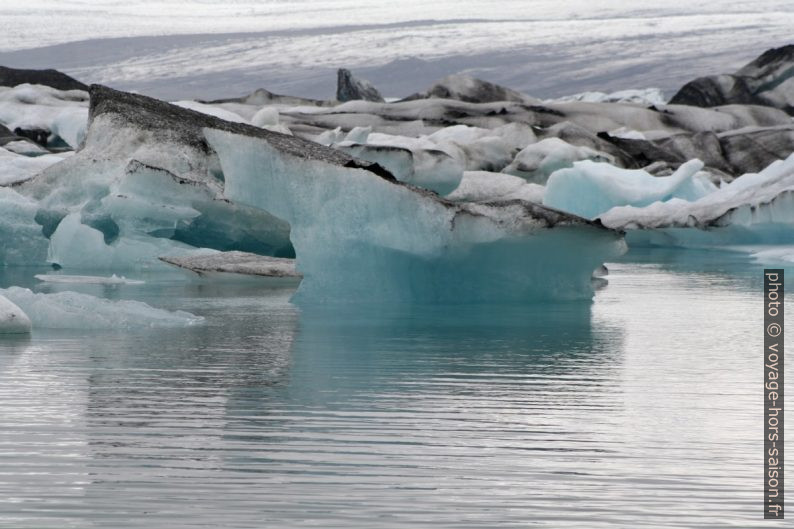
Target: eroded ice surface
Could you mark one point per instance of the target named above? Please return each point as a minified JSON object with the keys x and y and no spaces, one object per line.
{"x":590,"y":189}
{"x":242,"y":263}
{"x":63,"y":114}
{"x":87,"y":280}
{"x":16,"y":168}
{"x":13,"y":320}
{"x":753,"y":209}
{"x":72,"y":310}
{"x":359,"y":236}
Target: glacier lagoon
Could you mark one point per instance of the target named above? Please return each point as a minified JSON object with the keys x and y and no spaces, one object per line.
{"x":641,"y":405}
{"x":155,"y":388}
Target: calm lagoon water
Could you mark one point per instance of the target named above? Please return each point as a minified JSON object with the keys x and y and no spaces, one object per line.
{"x":640,"y":409}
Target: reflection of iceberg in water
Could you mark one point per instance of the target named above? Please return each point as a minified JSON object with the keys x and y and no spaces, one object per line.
{"x":43,"y":445}
{"x":400,"y":347}
{"x":153,"y":404}
{"x":415,"y":406}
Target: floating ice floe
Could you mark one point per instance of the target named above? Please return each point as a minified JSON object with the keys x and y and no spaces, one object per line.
{"x":774,"y":255}
{"x":72,"y":310}
{"x":753,"y":209}
{"x":240,"y":263}
{"x":590,"y":189}
{"x":145,"y":184}
{"x":360,"y":235}
{"x":13,"y":320}
{"x":87,"y":280}
{"x":537,"y":161}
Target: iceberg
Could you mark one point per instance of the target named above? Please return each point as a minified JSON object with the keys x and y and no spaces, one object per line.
{"x":240,"y":263}
{"x":483,"y":186}
{"x":646,"y":97}
{"x":756,"y":208}
{"x":590,"y":189}
{"x":87,"y":280}
{"x":16,"y":168}
{"x":536,"y":162}
{"x":472,"y":90}
{"x":72,"y":310}
{"x":75,"y":245}
{"x":12,"y":319}
{"x":775,"y":255}
{"x":22,"y":240}
{"x":415,"y":161}
{"x":145,"y":184}
{"x":45,"y":114}
{"x":360,"y":235}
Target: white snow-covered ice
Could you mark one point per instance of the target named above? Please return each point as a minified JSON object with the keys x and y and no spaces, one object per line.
{"x":13,"y":320}
{"x":358,"y":236}
{"x":753,"y":209}
{"x":590,"y":189}
{"x":73,"y":310}
{"x":87,"y":280}
{"x":64,"y":113}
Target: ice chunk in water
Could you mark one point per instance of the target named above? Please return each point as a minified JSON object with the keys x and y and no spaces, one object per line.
{"x":359,"y":236}
{"x":87,"y":280}
{"x":756,"y":208}
{"x":13,"y":320}
{"x":590,"y":189}
{"x":72,"y":310}
{"x":75,"y":245}
{"x":537,"y":161}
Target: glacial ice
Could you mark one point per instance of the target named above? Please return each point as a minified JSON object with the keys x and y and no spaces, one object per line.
{"x":13,"y":320}
{"x":61,"y":113}
{"x":211,"y":110}
{"x":72,"y":310}
{"x":470,"y":89}
{"x":87,"y":280}
{"x":239,"y":263}
{"x":359,"y":236}
{"x":483,"y":186}
{"x":16,"y":168}
{"x":536,"y":162}
{"x":646,"y":97}
{"x":75,"y":245}
{"x":774,"y":255}
{"x":590,"y":189}
{"x":757,"y":208}
{"x":22,"y":242}
{"x":430,"y":166}
{"x":154,"y":180}
{"x":137,"y":190}
{"x":25,"y":148}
